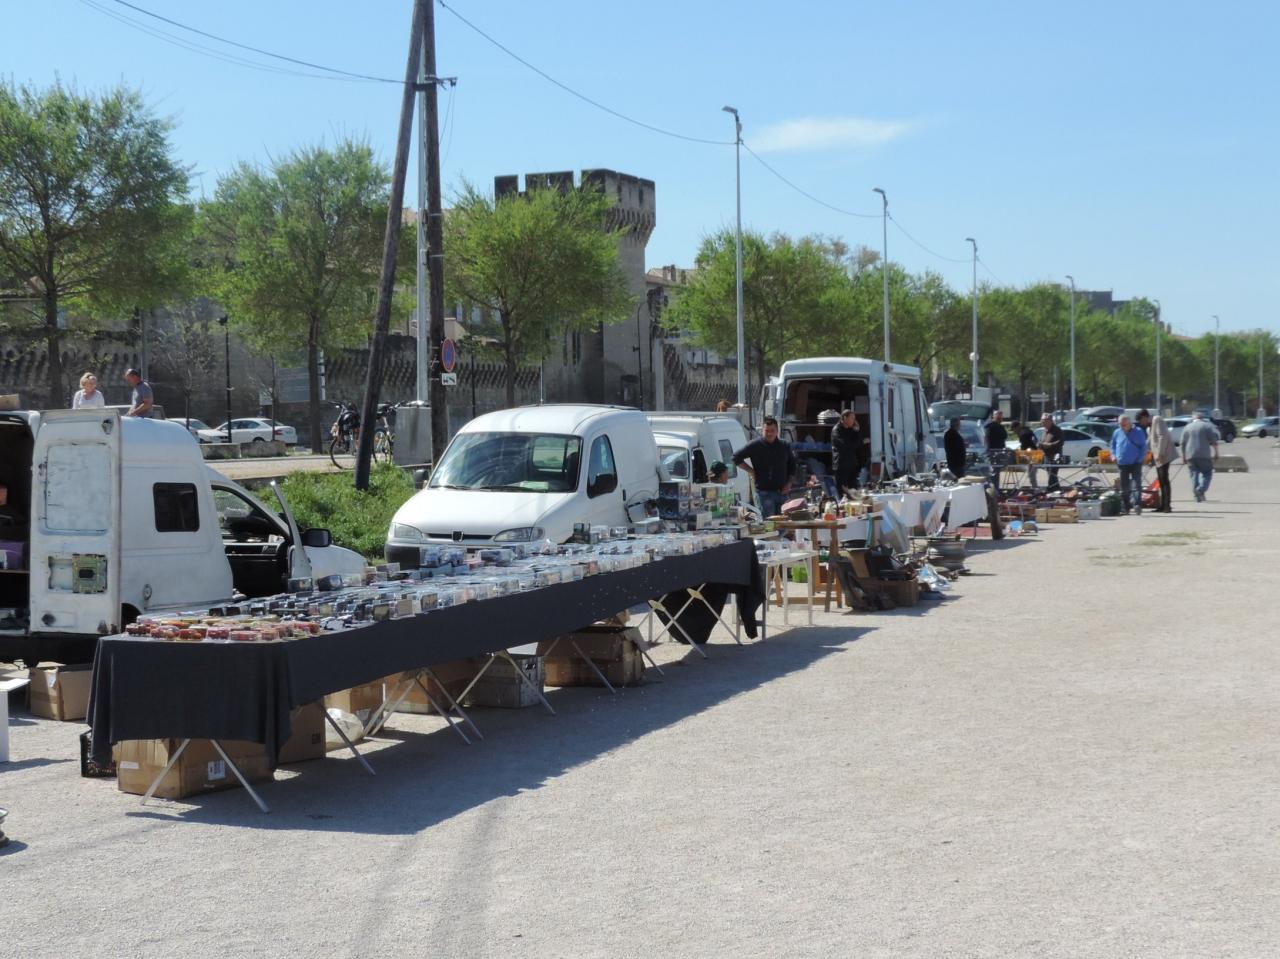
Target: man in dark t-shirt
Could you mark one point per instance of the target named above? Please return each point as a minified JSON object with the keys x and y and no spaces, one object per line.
{"x":141,"y":400}
{"x":772,"y":466}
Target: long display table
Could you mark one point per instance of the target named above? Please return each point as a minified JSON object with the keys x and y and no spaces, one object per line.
{"x":147,"y":689}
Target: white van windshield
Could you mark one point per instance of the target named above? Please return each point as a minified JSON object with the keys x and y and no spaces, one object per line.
{"x":514,"y":462}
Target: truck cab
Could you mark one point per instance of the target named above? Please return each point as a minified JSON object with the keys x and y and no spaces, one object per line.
{"x":108,"y":516}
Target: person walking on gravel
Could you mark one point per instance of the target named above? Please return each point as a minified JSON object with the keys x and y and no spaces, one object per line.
{"x":1163,"y":453}
{"x":1199,"y":450}
{"x":1129,"y":449}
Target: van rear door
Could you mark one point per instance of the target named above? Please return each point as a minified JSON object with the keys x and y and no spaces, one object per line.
{"x":75,"y":523}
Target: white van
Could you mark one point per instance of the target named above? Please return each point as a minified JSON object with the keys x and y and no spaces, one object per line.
{"x":531,"y":473}
{"x":688,"y":443}
{"x":887,"y":398}
{"x":106,"y":517}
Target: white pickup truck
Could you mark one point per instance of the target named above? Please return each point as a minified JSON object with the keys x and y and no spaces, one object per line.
{"x":104,"y":517}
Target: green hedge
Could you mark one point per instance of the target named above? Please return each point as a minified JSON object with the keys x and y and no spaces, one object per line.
{"x":358,"y":521}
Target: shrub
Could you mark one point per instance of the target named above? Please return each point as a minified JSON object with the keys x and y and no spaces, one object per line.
{"x":358,"y":521}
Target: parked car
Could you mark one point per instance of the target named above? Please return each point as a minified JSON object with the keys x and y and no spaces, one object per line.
{"x":531,"y":473}
{"x":250,"y":430}
{"x":1102,"y":414}
{"x":192,"y":425}
{"x":1226,"y":429}
{"x":975,"y":442}
{"x":1267,"y":426}
{"x":1176,"y":425}
{"x":1077,"y":445}
{"x":1099,"y":431}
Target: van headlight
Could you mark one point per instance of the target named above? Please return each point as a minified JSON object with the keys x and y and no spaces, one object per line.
{"x":408,"y":533}
{"x":523,"y":534}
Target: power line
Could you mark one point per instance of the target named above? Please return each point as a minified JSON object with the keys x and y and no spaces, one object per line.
{"x":581,"y":96}
{"x":992,"y":272}
{"x":346,"y":74}
{"x":804,"y":193}
{"x":949,"y":259}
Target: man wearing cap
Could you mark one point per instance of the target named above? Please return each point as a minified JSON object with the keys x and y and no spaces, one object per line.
{"x":140,"y":402}
{"x":719,"y":472}
{"x":848,"y":450}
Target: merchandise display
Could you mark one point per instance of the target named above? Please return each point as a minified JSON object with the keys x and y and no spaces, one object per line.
{"x":387,"y":592}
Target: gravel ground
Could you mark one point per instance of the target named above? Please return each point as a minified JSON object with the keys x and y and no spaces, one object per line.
{"x":1075,"y":754}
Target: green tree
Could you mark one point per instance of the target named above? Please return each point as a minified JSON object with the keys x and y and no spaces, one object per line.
{"x":797,"y":299}
{"x":91,"y":204}
{"x":293,"y":252}
{"x":537,"y":264}
{"x":1029,"y":330}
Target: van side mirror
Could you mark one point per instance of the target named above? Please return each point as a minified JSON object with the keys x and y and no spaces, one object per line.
{"x":420,"y":476}
{"x":604,"y":483}
{"x":317,"y":538}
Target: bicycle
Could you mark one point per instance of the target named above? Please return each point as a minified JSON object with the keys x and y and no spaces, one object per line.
{"x":344,"y":434}
{"x":384,"y":435}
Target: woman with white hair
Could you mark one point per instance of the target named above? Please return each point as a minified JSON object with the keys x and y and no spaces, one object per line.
{"x":88,"y":394}
{"x":1162,"y":454}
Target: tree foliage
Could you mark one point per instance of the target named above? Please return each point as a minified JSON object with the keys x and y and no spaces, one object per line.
{"x":536,"y":265}
{"x":293,"y":252}
{"x":92,"y":205}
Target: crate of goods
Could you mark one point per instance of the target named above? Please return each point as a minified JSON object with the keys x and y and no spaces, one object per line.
{"x":60,"y":692}
{"x":1089,"y":509}
{"x":615,"y":651}
{"x":1028,"y":456}
{"x":904,"y":592}
{"x":1057,"y":515}
{"x":502,"y":687}
{"x":199,"y":769}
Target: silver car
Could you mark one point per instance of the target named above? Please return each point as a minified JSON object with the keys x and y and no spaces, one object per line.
{"x":1267,"y":426}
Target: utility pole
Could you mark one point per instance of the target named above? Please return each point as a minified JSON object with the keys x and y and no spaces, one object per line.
{"x":1217,"y":363}
{"x":1159,"y":336}
{"x":391,"y":243}
{"x":737,"y":256}
{"x":884,"y":269}
{"x":1073,"y":341}
{"x":435,"y":232}
{"x":423,"y":343}
{"x":973,"y":357}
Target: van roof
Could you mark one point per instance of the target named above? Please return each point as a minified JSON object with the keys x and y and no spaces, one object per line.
{"x":564,"y":418}
{"x":839,"y":366}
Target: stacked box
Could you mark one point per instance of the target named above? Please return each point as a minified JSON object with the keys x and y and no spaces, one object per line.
{"x":306,"y":735}
{"x":200,"y":769}
{"x":60,"y":692}
{"x":454,"y":677}
{"x":501,"y":687}
{"x":360,"y":701}
{"x":614,"y":650}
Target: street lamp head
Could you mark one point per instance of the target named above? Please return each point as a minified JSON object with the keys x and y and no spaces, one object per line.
{"x":876,"y":189}
{"x":733,"y":110}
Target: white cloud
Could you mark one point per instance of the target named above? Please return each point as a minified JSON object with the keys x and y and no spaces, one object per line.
{"x":825,"y":133}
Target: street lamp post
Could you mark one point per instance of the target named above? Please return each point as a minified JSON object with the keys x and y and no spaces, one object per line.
{"x":973,"y":356}
{"x":737,"y":251}
{"x":884,"y":269}
{"x":1217,"y":364}
{"x":1159,"y":331}
{"x":226,"y":343}
{"x":1262,"y":407}
{"x":1073,"y":340}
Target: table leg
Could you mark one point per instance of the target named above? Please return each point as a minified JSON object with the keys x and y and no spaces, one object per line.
{"x":454,"y":706}
{"x":594,"y":668}
{"x":350,"y":745}
{"x":244,"y":782}
{"x":832,"y":581}
{"x":447,"y":714}
{"x":177,"y":753}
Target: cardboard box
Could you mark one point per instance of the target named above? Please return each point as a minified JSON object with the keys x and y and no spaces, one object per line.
{"x":613,"y":650}
{"x":199,"y":770}
{"x":1055,"y":515}
{"x":60,"y":692}
{"x":306,"y":735}
{"x":502,"y":687}
{"x":454,"y":677}
{"x":359,"y":701}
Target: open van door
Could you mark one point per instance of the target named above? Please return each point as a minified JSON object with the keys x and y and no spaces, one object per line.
{"x":75,"y":523}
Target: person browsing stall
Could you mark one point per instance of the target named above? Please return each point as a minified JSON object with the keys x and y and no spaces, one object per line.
{"x":719,"y":472}
{"x":142,"y":398}
{"x":997,"y":435}
{"x":1163,"y":453}
{"x":1051,"y":444}
{"x":953,"y":445}
{"x":849,"y":450}
{"x":1199,"y":449}
{"x":772,"y":466}
{"x":88,"y":395}
{"x":1129,"y":449}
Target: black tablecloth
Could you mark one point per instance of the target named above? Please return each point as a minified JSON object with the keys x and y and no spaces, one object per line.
{"x":144,"y":689}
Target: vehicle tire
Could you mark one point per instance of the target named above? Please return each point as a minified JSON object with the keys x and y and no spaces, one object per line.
{"x":339,"y":447}
{"x":1262,"y":434}
{"x":382,"y":441}
{"x":1095,"y":451}
{"x":1229,"y":438}
{"x":258,"y":439}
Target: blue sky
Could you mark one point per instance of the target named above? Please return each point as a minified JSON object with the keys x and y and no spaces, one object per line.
{"x":1133,"y":145}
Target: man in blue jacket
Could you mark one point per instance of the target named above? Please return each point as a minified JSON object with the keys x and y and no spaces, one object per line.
{"x":1129,"y":449}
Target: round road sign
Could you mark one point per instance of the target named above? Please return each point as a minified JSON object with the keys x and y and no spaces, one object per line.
{"x":448,"y":355}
